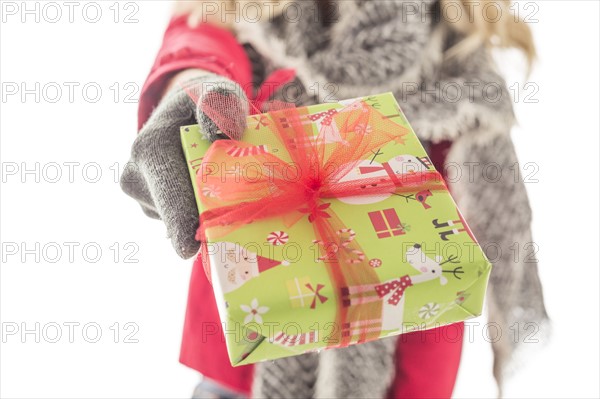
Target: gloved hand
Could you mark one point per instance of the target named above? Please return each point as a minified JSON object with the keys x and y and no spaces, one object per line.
{"x":157,"y":175}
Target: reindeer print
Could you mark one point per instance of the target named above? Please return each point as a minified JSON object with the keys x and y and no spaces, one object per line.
{"x":391,"y":294}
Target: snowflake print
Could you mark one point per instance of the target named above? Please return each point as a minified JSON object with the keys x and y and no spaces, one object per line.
{"x":254,"y":312}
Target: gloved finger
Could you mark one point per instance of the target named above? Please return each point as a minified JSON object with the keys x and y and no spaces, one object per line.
{"x":222,"y":111}
{"x":134,"y":184}
{"x":159,"y":159}
{"x":170,"y":187}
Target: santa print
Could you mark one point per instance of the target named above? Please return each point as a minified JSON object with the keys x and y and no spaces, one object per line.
{"x":391,"y":294}
{"x":237,"y":265}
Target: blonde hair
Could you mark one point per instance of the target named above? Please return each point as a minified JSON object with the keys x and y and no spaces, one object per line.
{"x":484,"y":22}
{"x":490,"y":23}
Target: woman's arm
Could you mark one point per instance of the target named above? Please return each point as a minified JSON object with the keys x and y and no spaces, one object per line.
{"x":187,"y":52}
{"x":205,"y":59}
{"x":181,"y":77}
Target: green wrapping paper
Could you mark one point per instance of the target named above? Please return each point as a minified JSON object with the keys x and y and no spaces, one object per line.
{"x":274,"y":293}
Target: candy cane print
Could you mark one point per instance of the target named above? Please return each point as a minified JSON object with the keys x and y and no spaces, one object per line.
{"x":282,"y":338}
{"x":351,"y":235}
{"x":360,"y":256}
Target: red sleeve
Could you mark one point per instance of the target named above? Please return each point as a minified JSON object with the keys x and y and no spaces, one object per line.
{"x":438,"y":153}
{"x":206,"y":47}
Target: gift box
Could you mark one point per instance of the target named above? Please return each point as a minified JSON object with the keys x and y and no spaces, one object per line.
{"x":327,"y":226}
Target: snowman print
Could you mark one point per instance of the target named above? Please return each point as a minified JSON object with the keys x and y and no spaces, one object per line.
{"x":391,"y":170}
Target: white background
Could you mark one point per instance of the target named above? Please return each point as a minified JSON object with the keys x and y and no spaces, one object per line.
{"x":559,"y":133}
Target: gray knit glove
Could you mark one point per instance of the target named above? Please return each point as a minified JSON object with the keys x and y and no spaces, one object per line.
{"x":157,"y":175}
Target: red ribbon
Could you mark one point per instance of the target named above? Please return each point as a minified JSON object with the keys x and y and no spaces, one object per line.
{"x":301,"y":181}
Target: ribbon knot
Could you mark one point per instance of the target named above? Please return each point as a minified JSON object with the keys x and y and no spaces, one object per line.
{"x":313,"y":185}
{"x":316,"y":211}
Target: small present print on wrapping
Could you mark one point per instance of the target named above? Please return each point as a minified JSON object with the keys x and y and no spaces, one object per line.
{"x":303,"y":293}
{"x":300,"y":295}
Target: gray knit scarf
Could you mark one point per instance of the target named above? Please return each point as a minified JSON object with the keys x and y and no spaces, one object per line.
{"x":378,"y":46}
